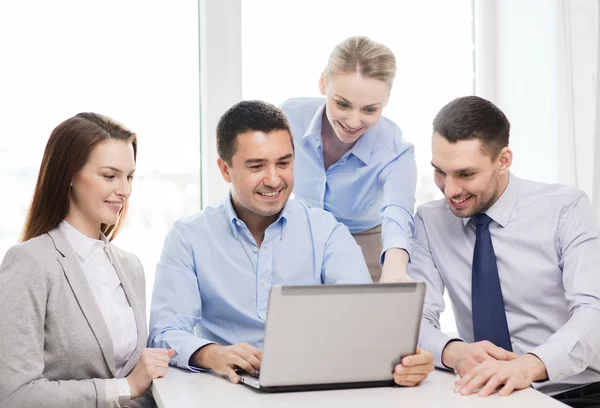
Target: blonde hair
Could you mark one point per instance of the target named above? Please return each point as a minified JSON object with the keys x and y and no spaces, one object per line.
{"x":363,"y":56}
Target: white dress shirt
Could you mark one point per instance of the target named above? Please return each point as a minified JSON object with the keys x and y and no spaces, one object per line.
{"x":546,"y":243}
{"x":108,"y":292}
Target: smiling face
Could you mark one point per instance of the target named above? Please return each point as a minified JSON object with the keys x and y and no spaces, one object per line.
{"x":101,"y":187}
{"x":468,"y":176}
{"x":261,"y":174}
{"x":353,"y":103}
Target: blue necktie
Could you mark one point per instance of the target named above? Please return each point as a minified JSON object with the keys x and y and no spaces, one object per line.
{"x":489,"y":316}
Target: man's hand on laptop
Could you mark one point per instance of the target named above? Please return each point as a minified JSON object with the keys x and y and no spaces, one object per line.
{"x":414,"y":369}
{"x":225,"y":359}
{"x":462,"y":356}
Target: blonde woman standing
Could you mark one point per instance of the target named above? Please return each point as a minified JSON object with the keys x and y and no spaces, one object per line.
{"x":352,"y":161}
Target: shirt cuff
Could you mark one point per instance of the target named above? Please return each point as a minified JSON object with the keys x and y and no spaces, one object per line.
{"x":434,"y":341}
{"x":399,"y":240}
{"x":553,"y":355}
{"x":182,"y":359}
{"x":112,"y":393}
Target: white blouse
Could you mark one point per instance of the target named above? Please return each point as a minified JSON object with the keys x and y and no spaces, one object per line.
{"x":108,"y":291}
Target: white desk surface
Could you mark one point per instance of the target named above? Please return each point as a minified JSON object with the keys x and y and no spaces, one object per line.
{"x":181,"y":389}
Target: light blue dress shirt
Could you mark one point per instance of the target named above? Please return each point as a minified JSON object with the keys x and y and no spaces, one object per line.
{"x":546,"y":243}
{"x":212,"y":281}
{"x":373,"y":183}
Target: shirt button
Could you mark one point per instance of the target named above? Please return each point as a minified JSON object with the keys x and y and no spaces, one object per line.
{"x":263,"y":282}
{"x":238,"y":223}
{"x":255,"y":249}
{"x":560,"y":377}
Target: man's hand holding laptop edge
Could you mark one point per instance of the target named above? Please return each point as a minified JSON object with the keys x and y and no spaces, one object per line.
{"x":412,"y":370}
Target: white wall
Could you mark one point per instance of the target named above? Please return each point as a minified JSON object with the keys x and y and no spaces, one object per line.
{"x":537,"y":60}
{"x":221,"y":61}
{"x":516,"y":69}
{"x":578,"y":56}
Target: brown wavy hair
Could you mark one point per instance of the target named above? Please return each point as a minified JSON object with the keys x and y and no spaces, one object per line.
{"x":67,"y":151}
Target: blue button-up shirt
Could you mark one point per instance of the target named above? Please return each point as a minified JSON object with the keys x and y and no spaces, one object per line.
{"x":212,"y":281}
{"x":373,"y":183}
{"x":546,"y":243}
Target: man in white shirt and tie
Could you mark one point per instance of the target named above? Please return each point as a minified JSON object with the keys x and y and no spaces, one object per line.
{"x":520,"y":261}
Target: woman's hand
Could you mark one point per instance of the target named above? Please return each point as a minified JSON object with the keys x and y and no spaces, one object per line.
{"x":153,"y":363}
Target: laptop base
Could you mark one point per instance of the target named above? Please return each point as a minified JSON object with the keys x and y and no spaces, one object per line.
{"x":317,"y":387}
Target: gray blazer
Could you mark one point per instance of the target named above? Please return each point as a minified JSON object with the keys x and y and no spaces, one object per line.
{"x":55,"y":347}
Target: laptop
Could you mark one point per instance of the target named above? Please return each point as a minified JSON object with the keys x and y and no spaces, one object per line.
{"x":337,"y":336}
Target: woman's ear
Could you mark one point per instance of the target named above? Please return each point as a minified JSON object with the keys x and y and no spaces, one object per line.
{"x":323,"y":84}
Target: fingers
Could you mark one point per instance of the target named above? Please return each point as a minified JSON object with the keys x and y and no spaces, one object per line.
{"x":161,"y":358}
{"x":250,"y":362}
{"x":508,"y":388}
{"x":164,"y":351}
{"x":414,"y":369}
{"x":466,"y":364}
{"x":156,"y":361}
{"x":512,"y":355}
{"x":422,"y":357}
{"x":496,"y":352}
{"x":491,"y":386}
{"x":256,"y":352}
{"x":409,"y":380}
{"x":419,"y":369}
{"x":474,"y":379}
{"x":238,"y":361}
{"x":233,"y":377}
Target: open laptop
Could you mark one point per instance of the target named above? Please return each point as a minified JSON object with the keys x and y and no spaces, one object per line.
{"x":337,"y":336}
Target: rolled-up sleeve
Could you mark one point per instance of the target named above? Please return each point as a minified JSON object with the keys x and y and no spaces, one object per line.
{"x":176,"y":303}
{"x":572,"y":348}
{"x":343,"y":261}
{"x":399,"y":179}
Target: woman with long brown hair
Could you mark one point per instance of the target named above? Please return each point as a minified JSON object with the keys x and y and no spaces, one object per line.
{"x":73,"y":305}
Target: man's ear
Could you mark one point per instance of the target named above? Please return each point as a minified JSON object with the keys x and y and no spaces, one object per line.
{"x":224,"y":167}
{"x":505,"y":159}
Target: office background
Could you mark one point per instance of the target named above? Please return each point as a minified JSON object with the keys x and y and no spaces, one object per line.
{"x":168,"y":70}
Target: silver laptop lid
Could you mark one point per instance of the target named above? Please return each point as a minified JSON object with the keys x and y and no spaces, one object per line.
{"x":328,"y":334}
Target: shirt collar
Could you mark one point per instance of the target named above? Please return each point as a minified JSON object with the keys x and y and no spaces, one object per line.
{"x":363,"y":147}
{"x":235,"y":223}
{"x":82,"y":244}
{"x":502,"y":209}
{"x":315,"y":126}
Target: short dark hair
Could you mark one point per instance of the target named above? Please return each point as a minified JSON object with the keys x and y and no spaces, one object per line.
{"x":247,"y":116}
{"x":472,"y":117}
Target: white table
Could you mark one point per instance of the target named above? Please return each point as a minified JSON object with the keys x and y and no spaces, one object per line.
{"x":181,"y":389}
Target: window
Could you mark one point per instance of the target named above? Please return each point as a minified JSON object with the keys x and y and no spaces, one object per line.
{"x":135,"y":61}
{"x":285,"y":46}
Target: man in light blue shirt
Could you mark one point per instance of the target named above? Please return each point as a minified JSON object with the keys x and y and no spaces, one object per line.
{"x":520,"y":261}
{"x":217,"y":267}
